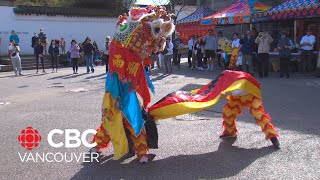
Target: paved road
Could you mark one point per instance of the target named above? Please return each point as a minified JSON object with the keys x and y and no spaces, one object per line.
{"x":189,"y":144}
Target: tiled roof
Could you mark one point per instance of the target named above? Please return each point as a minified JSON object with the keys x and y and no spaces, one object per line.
{"x":63,"y":11}
{"x":290,"y":9}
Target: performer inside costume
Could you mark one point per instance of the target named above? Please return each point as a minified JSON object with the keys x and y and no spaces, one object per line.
{"x":128,"y":86}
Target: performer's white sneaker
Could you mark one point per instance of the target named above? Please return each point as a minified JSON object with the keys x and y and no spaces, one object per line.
{"x":93,"y":150}
{"x":144,"y":159}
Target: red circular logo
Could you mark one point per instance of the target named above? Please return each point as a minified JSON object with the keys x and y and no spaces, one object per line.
{"x":29,"y":138}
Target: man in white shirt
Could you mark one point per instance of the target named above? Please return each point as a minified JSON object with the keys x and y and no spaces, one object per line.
{"x":235,"y":48}
{"x":10,"y":48}
{"x":190,"y":49}
{"x":307,"y":43}
{"x":15,"y":58}
{"x":236,"y":41}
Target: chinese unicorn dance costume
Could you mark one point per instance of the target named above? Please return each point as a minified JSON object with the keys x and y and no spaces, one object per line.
{"x":124,"y":121}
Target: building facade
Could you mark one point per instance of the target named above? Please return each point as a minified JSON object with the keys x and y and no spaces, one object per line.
{"x":55,"y":26}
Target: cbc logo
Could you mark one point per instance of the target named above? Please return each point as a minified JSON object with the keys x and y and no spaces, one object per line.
{"x":72,"y":135}
{"x":29,"y":138}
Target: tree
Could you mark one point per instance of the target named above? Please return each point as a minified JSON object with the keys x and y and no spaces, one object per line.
{"x":113,"y":5}
{"x":183,"y":4}
{"x":174,"y":3}
{"x":51,"y":3}
{"x":105,"y":4}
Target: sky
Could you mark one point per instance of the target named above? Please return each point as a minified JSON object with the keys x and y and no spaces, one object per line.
{"x":152,"y":2}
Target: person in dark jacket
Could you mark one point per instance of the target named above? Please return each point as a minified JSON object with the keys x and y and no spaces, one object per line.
{"x":199,"y":48}
{"x":106,"y":52}
{"x":54,"y":53}
{"x":44,"y":41}
{"x":95,"y":46}
{"x":177,"y":46}
{"x":220,"y":35}
{"x":284,"y":46}
{"x":88,"y":54}
{"x":96,"y":53}
{"x":34,"y":41}
{"x":39,"y":55}
{"x":247,"y":42}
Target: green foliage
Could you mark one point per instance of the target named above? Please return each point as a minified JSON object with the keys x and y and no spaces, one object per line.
{"x":50,"y":3}
{"x":109,"y":8}
{"x":101,"y":4}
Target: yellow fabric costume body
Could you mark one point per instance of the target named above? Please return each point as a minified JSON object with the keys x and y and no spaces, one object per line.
{"x":241,"y":90}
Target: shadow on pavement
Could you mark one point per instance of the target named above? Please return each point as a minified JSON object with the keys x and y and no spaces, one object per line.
{"x":33,"y":75}
{"x":23,"y":86}
{"x":99,"y":75}
{"x":227,"y":161}
{"x":190,"y":87}
{"x":205,"y":74}
{"x":160,"y":77}
{"x":74,"y":76}
{"x":59,"y":77}
{"x":9,"y":76}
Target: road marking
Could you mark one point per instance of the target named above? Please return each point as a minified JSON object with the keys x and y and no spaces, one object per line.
{"x":5,"y":103}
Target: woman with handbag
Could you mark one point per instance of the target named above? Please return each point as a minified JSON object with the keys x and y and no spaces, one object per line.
{"x":16,"y":60}
{"x":199,"y":48}
{"x":75,"y":55}
{"x":39,"y":55}
{"x":54,"y":53}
